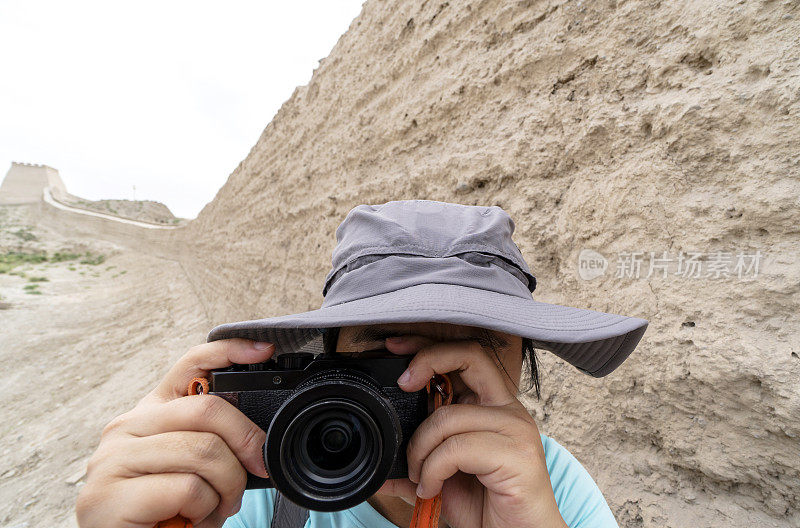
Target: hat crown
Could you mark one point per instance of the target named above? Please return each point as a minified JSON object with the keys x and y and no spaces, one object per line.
{"x":425,"y":228}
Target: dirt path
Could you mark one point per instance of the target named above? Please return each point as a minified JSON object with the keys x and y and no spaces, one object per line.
{"x":87,"y":347}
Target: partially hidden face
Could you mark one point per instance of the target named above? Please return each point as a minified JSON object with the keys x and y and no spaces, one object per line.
{"x":504,"y":349}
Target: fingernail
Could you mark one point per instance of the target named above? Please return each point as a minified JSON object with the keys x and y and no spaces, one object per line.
{"x":404,"y":378}
{"x":263,"y":472}
{"x":396,"y":339}
{"x":260,"y":345}
{"x":420,"y":491}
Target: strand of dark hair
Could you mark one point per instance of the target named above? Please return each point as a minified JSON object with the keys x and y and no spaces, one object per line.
{"x":529,"y":356}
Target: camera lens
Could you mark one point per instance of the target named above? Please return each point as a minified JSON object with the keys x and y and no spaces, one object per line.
{"x":331,"y":445}
{"x":335,"y":436}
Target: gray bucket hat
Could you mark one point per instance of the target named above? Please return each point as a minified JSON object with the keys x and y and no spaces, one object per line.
{"x":423,"y":260}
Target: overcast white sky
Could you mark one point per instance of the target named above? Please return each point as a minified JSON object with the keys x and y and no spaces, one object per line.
{"x":168,"y":96}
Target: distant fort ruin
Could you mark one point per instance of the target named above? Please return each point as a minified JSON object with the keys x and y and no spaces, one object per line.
{"x":30,"y":183}
{"x":126,"y":222}
{"x":25,"y":183}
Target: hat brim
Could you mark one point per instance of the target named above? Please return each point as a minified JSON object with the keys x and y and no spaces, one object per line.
{"x":594,"y":342}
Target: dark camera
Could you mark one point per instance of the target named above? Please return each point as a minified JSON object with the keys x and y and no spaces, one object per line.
{"x":337,"y":427}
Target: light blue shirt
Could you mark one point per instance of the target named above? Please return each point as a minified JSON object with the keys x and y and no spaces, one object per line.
{"x":579,"y":500}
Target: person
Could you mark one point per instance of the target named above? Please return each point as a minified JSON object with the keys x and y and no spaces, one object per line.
{"x":441,"y":282}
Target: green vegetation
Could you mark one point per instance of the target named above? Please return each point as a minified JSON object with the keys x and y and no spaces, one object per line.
{"x":61,"y":257}
{"x":71,"y":268}
{"x":12,"y":259}
{"x":93,"y":260}
{"x":38,"y":279}
{"x":25,"y":234}
{"x":32,"y":289}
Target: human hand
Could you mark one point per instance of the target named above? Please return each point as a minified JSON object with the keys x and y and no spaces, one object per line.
{"x":483,"y":452}
{"x":176,"y":454}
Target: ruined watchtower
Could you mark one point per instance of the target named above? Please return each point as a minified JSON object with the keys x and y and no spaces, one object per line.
{"x":25,"y":182}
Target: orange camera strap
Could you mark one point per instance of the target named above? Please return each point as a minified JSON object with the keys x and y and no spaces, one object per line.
{"x":426,"y":511}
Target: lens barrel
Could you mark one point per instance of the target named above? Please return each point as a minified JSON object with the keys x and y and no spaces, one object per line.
{"x":332,"y":443}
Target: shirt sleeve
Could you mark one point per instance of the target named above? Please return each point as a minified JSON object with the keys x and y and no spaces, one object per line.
{"x":256,"y":510}
{"x":579,"y":500}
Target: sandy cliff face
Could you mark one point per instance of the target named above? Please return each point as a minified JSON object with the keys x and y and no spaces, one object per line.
{"x":620,"y":127}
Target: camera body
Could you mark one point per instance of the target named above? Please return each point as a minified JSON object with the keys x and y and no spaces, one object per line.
{"x":337,"y":427}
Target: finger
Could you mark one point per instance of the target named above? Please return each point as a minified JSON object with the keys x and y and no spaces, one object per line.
{"x":456,"y":419}
{"x":200,"y":359}
{"x":204,"y":454}
{"x":143,"y":501}
{"x":467,"y":452}
{"x":478,"y":371}
{"x":462,"y":512}
{"x":205,"y":413}
{"x":403,"y":488}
